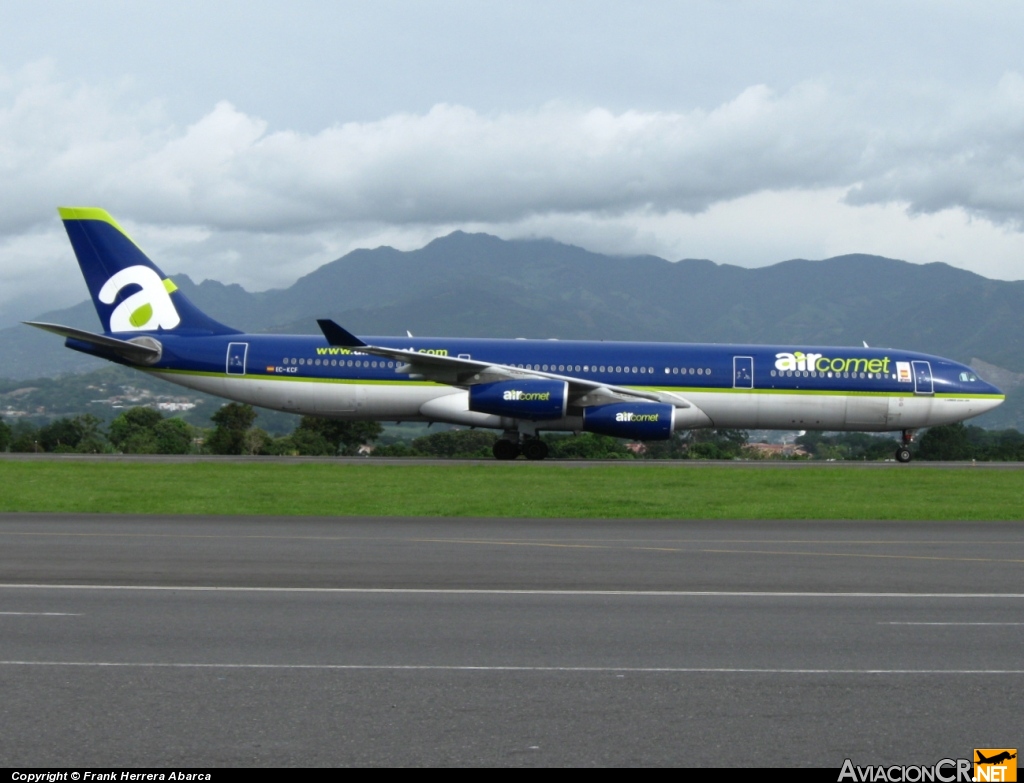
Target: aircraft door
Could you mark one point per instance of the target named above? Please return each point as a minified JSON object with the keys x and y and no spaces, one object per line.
{"x":235,"y":363}
{"x":923,"y":378}
{"x":743,"y":372}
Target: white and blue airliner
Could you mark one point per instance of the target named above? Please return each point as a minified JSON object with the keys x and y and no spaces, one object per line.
{"x":642,"y":391}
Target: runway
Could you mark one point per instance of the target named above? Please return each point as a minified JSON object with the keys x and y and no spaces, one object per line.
{"x":187,"y":641}
{"x":760,"y":464}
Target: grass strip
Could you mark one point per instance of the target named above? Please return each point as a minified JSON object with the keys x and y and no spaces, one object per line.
{"x":326,"y":489}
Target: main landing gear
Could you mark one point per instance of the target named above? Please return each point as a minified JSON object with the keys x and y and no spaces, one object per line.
{"x":505,"y":449}
{"x":903,"y":452}
{"x":532,"y":448}
{"x":535,"y":448}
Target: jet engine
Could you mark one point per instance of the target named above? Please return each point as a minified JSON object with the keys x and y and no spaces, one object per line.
{"x":528,"y":399}
{"x":636,"y":420}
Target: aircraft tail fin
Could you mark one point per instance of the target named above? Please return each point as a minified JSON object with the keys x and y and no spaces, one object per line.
{"x":130,"y":293}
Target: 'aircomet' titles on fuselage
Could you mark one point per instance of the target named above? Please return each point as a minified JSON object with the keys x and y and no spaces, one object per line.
{"x":798,"y":360}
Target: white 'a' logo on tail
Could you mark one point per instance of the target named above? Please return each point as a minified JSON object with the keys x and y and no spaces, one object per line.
{"x":146,"y":310}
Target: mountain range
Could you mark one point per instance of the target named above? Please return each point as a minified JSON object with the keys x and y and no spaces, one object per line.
{"x":482,"y":286}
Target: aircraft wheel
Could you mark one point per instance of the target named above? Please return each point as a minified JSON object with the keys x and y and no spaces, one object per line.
{"x":535,"y":448}
{"x":505,"y":449}
{"x":903,"y":454}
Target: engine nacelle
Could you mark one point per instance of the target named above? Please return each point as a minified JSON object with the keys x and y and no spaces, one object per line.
{"x":535,"y":399}
{"x":636,"y":420}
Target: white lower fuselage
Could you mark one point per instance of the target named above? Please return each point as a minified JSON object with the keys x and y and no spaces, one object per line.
{"x":720,"y":408}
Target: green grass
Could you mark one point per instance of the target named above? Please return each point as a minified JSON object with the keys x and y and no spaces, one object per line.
{"x":519,"y":490}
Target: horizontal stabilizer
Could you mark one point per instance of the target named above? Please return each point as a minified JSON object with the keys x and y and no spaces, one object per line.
{"x":337,"y":336}
{"x":143,"y":354}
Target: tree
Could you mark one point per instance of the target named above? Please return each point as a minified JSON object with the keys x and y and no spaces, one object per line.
{"x":397,"y":449}
{"x":344,"y":437}
{"x":457,"y":444}
{"x":676,"y":447}
{"x":59,"y":435}
{"x":847,"y":445}
{"x":79,"y":434}
{"x":91,"y":438}
{"x":132,"y":431}
{"x":308,"y":443}
{"x":948,"y":442}
{"x":716,"y":444}
{"x":5,"y":435}
{"x":232,"y":420}
{"x":587,"y":445}
{"x":173,"y":436}
{"x":25,"y":437}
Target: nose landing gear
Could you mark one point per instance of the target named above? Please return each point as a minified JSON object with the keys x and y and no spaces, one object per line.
{"x":903,"y":452}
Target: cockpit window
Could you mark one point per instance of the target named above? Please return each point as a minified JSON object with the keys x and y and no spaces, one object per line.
{"x":969,"y":377}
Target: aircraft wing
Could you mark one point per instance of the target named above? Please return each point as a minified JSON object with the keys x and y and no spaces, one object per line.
{"x":469,"y":372}
{"x":129,"y":350}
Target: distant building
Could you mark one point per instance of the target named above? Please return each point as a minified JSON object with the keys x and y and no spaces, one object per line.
{"x":777,"y":449}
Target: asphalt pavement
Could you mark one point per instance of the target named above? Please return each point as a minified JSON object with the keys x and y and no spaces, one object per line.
{"x":177,"y":641}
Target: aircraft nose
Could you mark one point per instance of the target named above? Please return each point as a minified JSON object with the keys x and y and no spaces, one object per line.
{"x":993,"y":389}
{"x":989,"y":403}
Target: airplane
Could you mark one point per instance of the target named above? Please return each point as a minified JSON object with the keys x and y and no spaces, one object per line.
{"x":996,"y":759}
{"x":635,"y":390}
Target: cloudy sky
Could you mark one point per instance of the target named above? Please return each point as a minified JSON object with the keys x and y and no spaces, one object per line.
{"x":251,"y":142}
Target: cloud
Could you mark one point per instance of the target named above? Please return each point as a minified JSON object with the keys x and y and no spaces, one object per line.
{"x":454,"y":164}
{"x":227,"y":171}
{"x":953,"y":151}
{"x":227,"y":197}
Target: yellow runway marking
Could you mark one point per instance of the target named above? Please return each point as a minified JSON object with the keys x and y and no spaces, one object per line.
{"x":700,"y":550}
